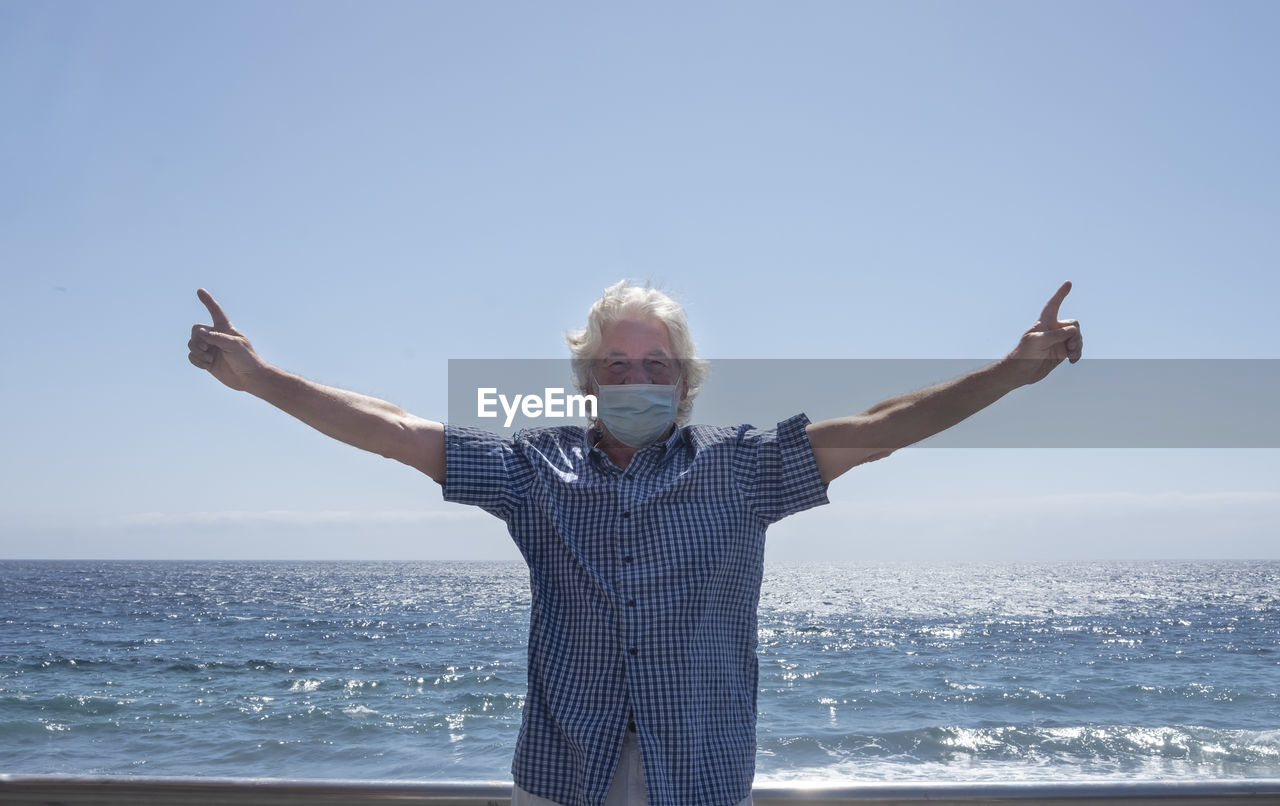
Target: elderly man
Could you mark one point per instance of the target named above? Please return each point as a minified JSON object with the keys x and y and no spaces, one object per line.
{"x":644,"y":536}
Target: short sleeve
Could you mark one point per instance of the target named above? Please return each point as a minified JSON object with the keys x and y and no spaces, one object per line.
{"x":484,"y":470}
{"x":777,"y":471}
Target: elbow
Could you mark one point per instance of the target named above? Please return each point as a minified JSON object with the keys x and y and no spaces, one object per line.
{"x":418,"y":443}
{"x":875,"y":457}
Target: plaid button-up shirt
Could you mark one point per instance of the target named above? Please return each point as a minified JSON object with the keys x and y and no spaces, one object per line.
{"x":645,"y":583}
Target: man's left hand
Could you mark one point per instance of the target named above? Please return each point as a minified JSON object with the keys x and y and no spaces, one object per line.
{"x":1047,"y":342}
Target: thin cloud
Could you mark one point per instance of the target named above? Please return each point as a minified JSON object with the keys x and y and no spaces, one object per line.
{"x":276,"y":517}
{"x":1091,"y":525}
{"x":1133,"y":503}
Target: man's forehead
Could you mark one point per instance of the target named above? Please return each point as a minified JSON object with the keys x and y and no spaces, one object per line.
{"x":657,"y":352}
{"x":627,"y":337}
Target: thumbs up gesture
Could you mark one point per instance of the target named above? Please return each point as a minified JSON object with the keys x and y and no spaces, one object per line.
{"x":221,"y":349}
{"x":1047,"y":342}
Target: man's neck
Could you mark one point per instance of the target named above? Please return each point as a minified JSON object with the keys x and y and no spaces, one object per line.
{"x":618,"y":452}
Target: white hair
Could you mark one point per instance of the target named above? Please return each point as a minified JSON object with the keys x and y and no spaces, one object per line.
{"x":624,"y":300}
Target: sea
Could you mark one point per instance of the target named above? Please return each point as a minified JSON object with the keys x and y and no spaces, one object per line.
{"x":416,"y":671}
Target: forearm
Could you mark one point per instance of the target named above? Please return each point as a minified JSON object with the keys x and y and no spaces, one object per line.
{"x":359,"y":420}
{"x":906,"y":419}
{"x":846,"y":442}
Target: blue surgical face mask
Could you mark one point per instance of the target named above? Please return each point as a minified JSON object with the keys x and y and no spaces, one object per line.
{"x":637,"y":413}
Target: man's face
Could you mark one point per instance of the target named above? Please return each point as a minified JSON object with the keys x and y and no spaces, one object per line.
{"x":635,"y":351}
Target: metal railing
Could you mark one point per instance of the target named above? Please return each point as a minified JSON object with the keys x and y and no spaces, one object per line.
{"x":74,"y":790}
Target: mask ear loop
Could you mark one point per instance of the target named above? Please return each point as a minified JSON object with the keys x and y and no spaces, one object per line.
{"x":679,"y":400}
{"x":595,"y":432}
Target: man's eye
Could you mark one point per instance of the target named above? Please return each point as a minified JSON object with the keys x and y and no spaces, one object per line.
{"x":658,"y":369}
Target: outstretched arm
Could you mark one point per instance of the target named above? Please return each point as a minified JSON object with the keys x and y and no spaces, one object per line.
{"x":365,"y":422}
{"x":845,"y":442}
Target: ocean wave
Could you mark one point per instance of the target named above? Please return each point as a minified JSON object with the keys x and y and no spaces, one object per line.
{"x":306,"y":684}
{"x":1025,"y":752}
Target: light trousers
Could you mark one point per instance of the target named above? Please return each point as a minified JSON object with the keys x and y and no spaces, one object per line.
{"x":628,"y":787}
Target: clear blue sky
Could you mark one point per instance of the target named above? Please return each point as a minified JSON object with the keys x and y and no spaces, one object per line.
{"x":373,"y":189}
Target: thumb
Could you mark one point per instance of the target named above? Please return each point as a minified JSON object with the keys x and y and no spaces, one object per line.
{"x":220,"y":320}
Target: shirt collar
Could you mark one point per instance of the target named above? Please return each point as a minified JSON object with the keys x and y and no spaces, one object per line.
{"x":668,"y":446}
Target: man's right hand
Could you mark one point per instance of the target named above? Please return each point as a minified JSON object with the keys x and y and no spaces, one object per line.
{"x":221,"y":349}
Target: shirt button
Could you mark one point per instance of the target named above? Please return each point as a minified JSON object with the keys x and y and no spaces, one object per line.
{"x":631,"y":603}
{"x":634,"y":651}
{"x":626,"y":514}
{"x":627,"y":559}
